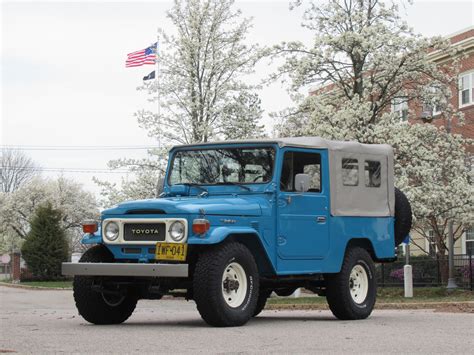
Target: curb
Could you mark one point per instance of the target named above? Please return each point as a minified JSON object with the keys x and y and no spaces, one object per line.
{"x":6,"y":284}
{"x":408,"y":305}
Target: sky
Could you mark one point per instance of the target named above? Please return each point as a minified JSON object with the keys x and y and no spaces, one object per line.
{"x":65,"y":88}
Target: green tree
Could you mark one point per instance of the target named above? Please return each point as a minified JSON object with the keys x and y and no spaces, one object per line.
{"x":46,"y":245}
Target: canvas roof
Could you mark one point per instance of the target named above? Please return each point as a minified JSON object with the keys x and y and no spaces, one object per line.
{"x":310,"y":142}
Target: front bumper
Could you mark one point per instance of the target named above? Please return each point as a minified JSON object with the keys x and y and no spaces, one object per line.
{"x":125,"y":269}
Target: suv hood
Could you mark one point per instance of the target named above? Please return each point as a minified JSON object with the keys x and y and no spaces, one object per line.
{"x":229,"y":206}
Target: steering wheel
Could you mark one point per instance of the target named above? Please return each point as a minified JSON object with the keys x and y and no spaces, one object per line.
{"x":258,"y":177}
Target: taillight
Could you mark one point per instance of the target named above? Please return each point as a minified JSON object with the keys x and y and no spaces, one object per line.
{"x":201,"y":226}
{"x":89,"y":227}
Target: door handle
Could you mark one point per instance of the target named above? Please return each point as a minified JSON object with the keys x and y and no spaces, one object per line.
{"x":321,"y":219}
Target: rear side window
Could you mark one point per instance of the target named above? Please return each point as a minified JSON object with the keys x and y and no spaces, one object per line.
{"x":350,"y":172}
{"x":372,"y":173}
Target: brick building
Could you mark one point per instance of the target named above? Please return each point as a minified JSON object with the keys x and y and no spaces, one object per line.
{"x":463,"y":100}
{"x":462,"y":94}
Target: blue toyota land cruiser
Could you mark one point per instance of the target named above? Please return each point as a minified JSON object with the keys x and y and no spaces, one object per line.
{"x":239,"y":220}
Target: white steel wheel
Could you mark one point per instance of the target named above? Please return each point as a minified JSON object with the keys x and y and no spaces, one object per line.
{"x":358,"y":284}
{"x":234,"y":284}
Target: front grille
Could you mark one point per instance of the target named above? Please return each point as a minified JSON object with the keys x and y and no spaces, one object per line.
{"x":153,"y":232}
{"x":131,"y":250}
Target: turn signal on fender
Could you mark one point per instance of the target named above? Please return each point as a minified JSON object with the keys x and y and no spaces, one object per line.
{"x":201,"y":226}
{"x":89,"y":227}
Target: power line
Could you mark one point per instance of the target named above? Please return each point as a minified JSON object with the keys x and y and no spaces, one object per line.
{"x":72,"y":147}
{"x":71,"y":170}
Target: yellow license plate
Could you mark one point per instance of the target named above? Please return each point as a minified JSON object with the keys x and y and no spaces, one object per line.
{"x":171,"y":251}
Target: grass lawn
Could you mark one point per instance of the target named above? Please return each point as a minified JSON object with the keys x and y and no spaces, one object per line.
{"x":393,"y":295}
{"x":52,"y":284}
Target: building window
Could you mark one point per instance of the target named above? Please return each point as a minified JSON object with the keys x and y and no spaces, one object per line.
{"x":372,"y":173}
{"x":466,"y":92}
{"x":432,"y":107}
{"x":350,"y":172}
{"x":470,"y":241}
{"x":400,"y":107}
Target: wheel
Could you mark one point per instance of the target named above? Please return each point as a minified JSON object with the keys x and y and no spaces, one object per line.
{"x":403,"y":217}
{"x":226,"y":285}
{"x":262,"y":301}
{"x":351,"y":293}
{"x":99,"y":307}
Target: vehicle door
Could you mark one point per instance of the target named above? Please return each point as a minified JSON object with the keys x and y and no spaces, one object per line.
{"x":302,"y":217}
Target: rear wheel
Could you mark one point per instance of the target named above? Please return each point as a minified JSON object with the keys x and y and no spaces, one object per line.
{"x":110,"y":306}
{"x":226,"y":285}
{"x":351,"y":293}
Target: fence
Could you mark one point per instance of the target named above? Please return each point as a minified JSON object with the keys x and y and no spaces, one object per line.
{"x":427,"y":272}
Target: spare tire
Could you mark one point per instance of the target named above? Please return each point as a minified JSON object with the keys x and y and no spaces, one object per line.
{"x":403,"y":217}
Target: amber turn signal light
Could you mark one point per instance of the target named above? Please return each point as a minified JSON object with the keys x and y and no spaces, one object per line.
{"x":201,"y":226}
{"x":89,"y":227}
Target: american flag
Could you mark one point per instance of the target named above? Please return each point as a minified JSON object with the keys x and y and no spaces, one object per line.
{"x":144,"y":56}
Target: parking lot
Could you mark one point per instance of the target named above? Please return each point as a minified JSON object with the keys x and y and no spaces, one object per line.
{"x":45,"y":321}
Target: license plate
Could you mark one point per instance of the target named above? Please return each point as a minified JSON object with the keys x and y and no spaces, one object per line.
{"x":171,"y":251}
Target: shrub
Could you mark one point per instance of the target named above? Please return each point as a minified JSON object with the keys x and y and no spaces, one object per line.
{"x":46,"y":245}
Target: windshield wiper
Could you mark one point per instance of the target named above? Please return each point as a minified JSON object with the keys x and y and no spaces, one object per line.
{"x":234,"y":184}
{"x":193,"y":185}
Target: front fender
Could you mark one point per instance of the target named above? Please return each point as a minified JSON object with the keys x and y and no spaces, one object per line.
{"x":218,"y":234}
{"x":90,"y":238}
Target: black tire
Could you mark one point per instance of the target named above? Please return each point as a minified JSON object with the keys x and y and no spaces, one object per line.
{"x":95,"y":307}
{"x":208,"y":286}
{"x":338,"y":287}
{"x":262,"y":301}
{"x":403,"y":217}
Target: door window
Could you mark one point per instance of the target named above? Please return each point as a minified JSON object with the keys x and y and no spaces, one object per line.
{"x":301,"y":163}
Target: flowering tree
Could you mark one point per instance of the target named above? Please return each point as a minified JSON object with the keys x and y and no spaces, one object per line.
{"x":67,"y":196}
{"x":202,"y":67}
{"x":363,"y":57}
{"x":201,"y":89}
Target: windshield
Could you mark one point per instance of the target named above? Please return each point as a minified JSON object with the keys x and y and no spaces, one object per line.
{"x":220,"y":166}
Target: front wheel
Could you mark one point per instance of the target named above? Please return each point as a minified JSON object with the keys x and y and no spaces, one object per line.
{"x":226,"y":285}
{"x":351,"y":293}
{"x":262,"y":301}
{"x":111,"y":306}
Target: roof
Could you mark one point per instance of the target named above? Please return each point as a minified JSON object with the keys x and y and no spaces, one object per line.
{"x":310,"y":142}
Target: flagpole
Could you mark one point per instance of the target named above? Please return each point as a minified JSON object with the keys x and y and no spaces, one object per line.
{"x":157,"y":84}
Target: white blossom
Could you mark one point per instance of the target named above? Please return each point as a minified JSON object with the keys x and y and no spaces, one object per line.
{"x":17,"y":208}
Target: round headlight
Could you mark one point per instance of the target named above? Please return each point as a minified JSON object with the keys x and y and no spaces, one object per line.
{"x":111,"y":231}
{"x":176,"y":231}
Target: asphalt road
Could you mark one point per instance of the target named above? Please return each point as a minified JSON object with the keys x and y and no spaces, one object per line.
{"x":39,"y":321}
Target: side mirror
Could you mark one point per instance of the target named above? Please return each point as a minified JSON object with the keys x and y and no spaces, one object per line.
{"x":302,"y":182}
